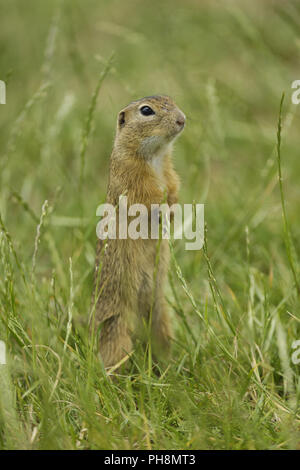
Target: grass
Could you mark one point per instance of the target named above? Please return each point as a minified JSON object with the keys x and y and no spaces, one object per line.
{"x":69,"y":68}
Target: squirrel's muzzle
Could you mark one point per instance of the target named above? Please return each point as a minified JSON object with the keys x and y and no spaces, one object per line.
{"x":180,"y":121}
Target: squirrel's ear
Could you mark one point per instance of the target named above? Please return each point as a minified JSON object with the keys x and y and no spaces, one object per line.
{"x":121,"y":119}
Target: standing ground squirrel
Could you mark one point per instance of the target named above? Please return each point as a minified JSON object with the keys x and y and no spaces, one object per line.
{"x":130,"y":275}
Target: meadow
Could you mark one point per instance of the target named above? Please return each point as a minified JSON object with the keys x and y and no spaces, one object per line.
{"x":69,"y":67}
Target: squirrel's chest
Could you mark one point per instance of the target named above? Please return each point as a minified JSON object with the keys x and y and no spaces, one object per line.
{"x":157,"y":163}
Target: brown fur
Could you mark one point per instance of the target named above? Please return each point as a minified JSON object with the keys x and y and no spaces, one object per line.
{"x":125,"y":287}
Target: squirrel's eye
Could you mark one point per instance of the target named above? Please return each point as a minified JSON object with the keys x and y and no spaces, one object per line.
{"x":146,"y":111}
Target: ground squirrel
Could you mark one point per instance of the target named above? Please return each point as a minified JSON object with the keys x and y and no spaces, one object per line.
{"x":126,"y":289}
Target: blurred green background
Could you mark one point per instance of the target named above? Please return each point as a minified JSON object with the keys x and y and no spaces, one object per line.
{"x":226,"y":64}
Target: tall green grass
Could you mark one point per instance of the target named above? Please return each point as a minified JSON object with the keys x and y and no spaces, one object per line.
{"x":230,"y":382}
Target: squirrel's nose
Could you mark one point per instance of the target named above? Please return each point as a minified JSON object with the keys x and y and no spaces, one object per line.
{"x":181,"y":120}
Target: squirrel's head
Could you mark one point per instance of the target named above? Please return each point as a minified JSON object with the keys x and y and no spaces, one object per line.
{"x":148,"y":125}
